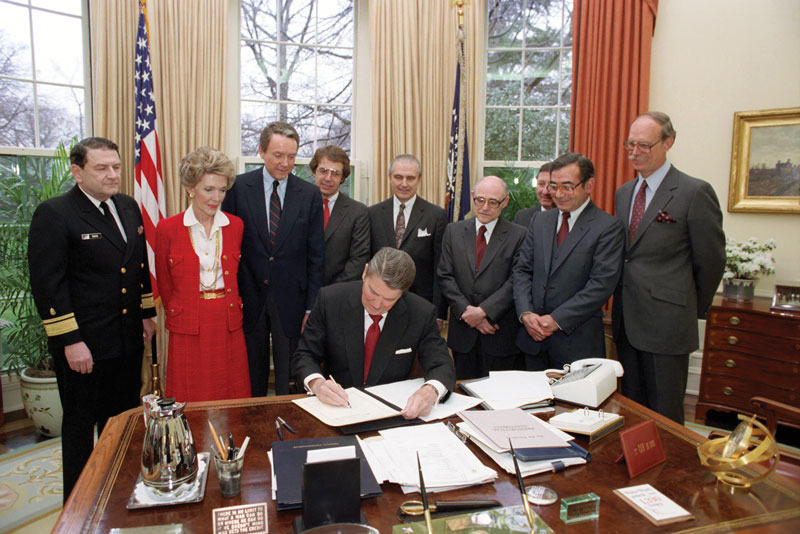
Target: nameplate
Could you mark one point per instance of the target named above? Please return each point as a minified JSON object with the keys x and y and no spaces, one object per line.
{"x":641,"y":448}
{"x":245,"y":519}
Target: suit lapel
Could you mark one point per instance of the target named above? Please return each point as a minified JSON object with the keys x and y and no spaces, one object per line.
{"x":662,"y":197}
{"x":338,"y":215}
{"x":257,"y":203}
{"x":92,"y":215}
{"x":387,"y":220}
{"x":624,"y":207}
{"x":128,"y":218}
{"x":582,"y":225}
{"x":469,"y":244}
{"x":495,"y":243}
{"x":545,"y":235}
{"x":354,"y":338}
{"x":413,"y":221}
{"x":290,"y":211}
{"x":392,"y":331}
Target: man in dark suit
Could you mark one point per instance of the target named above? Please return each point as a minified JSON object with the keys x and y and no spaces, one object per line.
{"x":523,"y":217}
{"x":567,"y":269}
{"x":674,"y":259}
{"x":370,"y":332}
{"x":282,"y":255}
{"x":346,"y":221}
{"x":412,"y":224}
{"x":91,"y":283}
{"x":475,"y":276}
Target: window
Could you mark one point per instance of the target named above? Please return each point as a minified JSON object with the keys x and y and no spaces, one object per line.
{"x":42,"y":83}
{"x":297,"y":66}
{"x":528,"y":81}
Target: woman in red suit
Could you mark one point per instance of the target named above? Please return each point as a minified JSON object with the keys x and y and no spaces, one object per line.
{"x":197,"y":258}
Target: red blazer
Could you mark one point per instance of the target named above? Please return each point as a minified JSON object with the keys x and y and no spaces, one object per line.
{"x":178,"y":272}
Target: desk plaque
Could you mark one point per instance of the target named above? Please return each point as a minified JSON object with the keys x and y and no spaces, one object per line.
{"x":245,"y":519}
{"x":641,"y":448}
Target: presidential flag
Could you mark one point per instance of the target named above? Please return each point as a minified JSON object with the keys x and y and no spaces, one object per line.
{"x":457,"y":199}
{"x":149,"y":188}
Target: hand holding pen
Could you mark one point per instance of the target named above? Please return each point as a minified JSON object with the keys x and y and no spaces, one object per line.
{"x":329,"y":392}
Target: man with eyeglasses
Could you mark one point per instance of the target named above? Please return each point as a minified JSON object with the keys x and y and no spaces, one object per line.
{"x":410,"y":223}
{"x":475,"y":277}
{"x":674,"y":258}
{"x":523,"y":217}
{"x":345,"y":221}
{"x":567,"y":268}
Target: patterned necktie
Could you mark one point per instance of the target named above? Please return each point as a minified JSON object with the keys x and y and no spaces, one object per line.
{"x":370,"y":342}
{"x":274,"y":213}
{"x":480,"y":246}
{"x":564,"y":230}
{"x":326,"y":213}
{"x":638,"y":211}
{"x":400,"y":227}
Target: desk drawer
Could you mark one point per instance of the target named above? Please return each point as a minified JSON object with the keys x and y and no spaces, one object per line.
{"x":736,"y":393}
{"x":765,"y":371}
{"x":768,"y":325}
{"x":757,"y":343}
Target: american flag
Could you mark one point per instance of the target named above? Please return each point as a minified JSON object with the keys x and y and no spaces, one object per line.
{"x":457,"y":196}
{"x":149,"y":188}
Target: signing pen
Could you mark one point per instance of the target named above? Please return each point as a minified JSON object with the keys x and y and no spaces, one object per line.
{"x":282,"y":421}
{"x":335,"y":383}
{"x":278,"y":428}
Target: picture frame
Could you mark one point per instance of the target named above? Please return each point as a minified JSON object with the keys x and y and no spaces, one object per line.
{"x":765,"y":162}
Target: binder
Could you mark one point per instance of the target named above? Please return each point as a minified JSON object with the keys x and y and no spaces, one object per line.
{"x":540,"y":454}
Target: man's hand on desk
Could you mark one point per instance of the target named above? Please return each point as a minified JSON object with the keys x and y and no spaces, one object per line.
{"x":421,"y":402}
{"x":329,"y":392}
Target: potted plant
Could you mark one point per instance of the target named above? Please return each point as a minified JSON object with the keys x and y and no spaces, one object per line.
{"x":24,"y":186}
{"x":745,"y":260}
{"x":521,"y":189}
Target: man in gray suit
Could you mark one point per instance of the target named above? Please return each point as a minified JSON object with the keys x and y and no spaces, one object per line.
{"x":345,"y":221}
{"x":475,"y":276}
{"x":523,"y":217}
{"x":673,"y":261}
{"x":567,"y":269}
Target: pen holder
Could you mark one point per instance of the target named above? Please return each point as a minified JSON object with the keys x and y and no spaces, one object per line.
{"x":229,"y":473}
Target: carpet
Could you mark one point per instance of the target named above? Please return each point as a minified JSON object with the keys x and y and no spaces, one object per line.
{"x":30,"y":483}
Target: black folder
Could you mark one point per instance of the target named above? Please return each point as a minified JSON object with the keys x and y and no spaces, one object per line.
{"x":540,"y":454}
{"x":288,"y":458}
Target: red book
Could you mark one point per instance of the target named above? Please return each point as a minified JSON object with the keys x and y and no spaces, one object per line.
{"x":641,"y":448}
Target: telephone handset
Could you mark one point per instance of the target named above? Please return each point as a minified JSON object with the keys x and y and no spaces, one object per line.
{"x":586,"y":382}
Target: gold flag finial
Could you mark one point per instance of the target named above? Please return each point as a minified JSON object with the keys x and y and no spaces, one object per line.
{"x":459,"y":4}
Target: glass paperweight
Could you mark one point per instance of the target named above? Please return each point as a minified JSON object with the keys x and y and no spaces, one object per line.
{"x":580,"y":508}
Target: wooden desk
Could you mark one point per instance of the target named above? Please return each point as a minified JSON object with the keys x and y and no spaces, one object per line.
{"x":98,"y":501}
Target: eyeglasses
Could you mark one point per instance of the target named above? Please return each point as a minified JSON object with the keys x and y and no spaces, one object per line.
{"x":644,"y":148}
{"x":333,"y":172}
{"x":567,"y":187}
{"x":493,"y":203}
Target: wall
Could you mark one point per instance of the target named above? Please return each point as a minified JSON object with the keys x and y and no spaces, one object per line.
{"x":713,"y":58}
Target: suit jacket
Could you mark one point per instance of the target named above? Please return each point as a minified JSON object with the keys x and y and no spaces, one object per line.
{"x":89,"y":284}
{"x":671,"y":269}
{"x":293,"y":267}
{"x":178,"y":272}
{"x":523,"y":217}
{"x":571,"y":282}
{"x":346,"y":241}
{"x":333,"y":341}
{"x":489,"y":287}
{"x":422,"y":240}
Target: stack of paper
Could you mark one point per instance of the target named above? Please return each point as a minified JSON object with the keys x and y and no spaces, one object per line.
{"x":446,"y":462}
{"x":594,"y":424}
{"x":511,"y":389}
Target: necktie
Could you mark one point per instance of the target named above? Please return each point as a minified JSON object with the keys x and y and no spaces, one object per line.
{"x":480,"y":246}
{"x":370,"y":342}
{"x":400,"y":227}
{"x":638,"y":210}
{"x":274,"y":213}
{"x":109,"y":217}
{"x":326,"y":213}
{"x":564,"y":230}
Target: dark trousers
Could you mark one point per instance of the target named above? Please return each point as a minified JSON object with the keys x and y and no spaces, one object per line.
{"x":544,"y":360}
{"x":477,"y":364}
{"x":88,"y":399}
{"x":268,"y":327}
{"x":657,"y":381}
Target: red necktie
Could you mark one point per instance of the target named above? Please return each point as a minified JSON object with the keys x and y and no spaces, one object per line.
{"x":480,"y":246}
{"x":564,"y":230}
{"x":370,"y":342}
{"x":638,"y":210}
{"x":326,"y":213}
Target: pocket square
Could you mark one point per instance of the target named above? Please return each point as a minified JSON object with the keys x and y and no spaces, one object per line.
{"x":423,"y":232}
{"x":664,"y":217}
{"x":403,"y":351}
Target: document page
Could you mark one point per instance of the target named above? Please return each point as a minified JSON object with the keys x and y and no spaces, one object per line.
{"x":524,"y":430}
{"x":398,"y":393}
{"x":512,"y":389}
{"x":362,"y":408}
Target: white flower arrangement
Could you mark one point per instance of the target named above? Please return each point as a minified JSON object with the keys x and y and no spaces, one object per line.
{"x":748,"y":259}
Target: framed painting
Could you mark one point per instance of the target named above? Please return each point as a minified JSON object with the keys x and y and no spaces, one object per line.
{"x":765,"y":162}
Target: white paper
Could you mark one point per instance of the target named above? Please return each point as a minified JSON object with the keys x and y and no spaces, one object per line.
{"x":374,"y":452}
{"x":653,"y":502}
{"x":398,"y":394}
{"x":331,"y":453}
{"x":512,"y":389}
{"x":498,"y":427}
{"x":362,"y":408}
{"x":583,"y":420}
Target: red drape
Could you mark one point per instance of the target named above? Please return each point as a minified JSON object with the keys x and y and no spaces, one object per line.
{"x":611,"y":84}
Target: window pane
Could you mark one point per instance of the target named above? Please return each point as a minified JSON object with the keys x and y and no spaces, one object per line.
{"x":65,"y":6}
{"x":61,"y":114}
{"x":541,"y":78}
{"x":566,"y":76}
{"x":538,"y":134}
{"x":298,"y":73}
{"x":334,"y":76}
{"x":258,"y":71}
{"x":563,"y":135}
{"x":503,"y":73}
{"x":16,"y":114}
{"x":568,"y":23}
{"x":502,"y":126}
{"x":333,"y":126}
{"x":255,"y":116}
{"x":58,"y":41}
{"x":543,"y":23}
{"x":302,"y":118}
{"x":15,"y":42}
{"x":335,"y":25}
{"x":258,"y":20}
{"x":505,"y":23}
{"x":297,"y":21}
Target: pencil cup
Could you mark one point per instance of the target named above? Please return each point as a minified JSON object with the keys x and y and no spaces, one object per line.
{"x":230,"y":474}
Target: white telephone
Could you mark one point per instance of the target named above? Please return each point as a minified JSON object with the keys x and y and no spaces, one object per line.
{"x":586,"y":382}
